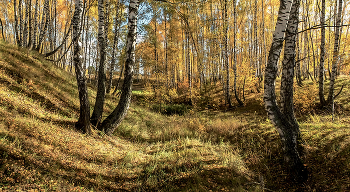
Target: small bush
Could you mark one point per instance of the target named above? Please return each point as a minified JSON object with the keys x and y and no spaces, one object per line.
{"x":173,"y":109}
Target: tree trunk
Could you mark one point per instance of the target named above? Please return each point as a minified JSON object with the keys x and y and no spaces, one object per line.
{"x":16,"y":23}
{"x":321,"y":65}
{"x":83,"y":123}
{"x":20,"y":23}
{"x":227,"y":67}
{"x":30,"y":24}
{"x":2,"y":30}
{"x":45,"y":16}
{"x":284,"y":127}
{"x":114,"y":119}
{"x":240,"y":103}
{"x":335,"y":54}
{"x":34,"y":39}
{"x":101,"y":88}
{"x":115,"y":43}
{"x":288,"y":63}
{"x":120,"y":77}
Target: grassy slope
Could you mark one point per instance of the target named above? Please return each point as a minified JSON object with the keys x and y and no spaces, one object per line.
{"x":200,"y":151}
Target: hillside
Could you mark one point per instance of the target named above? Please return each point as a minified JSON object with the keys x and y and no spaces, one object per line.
{"x":204,"y":150}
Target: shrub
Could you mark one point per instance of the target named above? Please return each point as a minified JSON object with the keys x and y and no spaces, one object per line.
{"x":172,"y":109}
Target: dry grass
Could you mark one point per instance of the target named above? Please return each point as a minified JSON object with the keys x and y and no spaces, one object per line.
{"x":204,"y":150}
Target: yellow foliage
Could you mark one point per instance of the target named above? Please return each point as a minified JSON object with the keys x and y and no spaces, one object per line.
{"x":305,"y":97}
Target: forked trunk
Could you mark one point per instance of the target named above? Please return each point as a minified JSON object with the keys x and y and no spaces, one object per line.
{"x":282,"y":122}
{"x":114,"y":119}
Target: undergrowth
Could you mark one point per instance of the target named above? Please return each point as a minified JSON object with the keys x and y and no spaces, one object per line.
{"x":158,"y":146}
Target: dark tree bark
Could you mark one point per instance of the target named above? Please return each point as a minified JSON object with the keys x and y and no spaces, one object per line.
{"x":2,"y":30}
{"x":321,"y":65}
{"x":101,"y":87}
{"x":20,"y":23}
{"x":83,"y":123}
{"x":114,"y":119}
{"x":118,"y":82}
{"x":282,"y":122}
{"x":240,"y":103}
{"x":25,"y":30}
{"x":45,"y":20}
{"x":30,"y":24}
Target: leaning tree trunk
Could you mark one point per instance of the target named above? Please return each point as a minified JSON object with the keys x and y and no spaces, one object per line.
{"x":335,"y":54}
{"x":288,"y":64}
{"x":322,"y":55}
{"x":84,"y":117}
{"x":285,"y":128}
{"x":101,"y":87}
{"x":114,"y":119}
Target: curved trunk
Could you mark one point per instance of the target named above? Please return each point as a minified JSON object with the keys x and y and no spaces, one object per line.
{"x":284,"y":126}
{"x":101,"y":87}
{"x":288,"y":63}
{"x":64,"y":41}
{"x":114,"y":119}
{"x":84,"y":117}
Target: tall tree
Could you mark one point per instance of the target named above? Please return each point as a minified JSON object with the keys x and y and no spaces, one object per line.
{"x":240,"y":103}
{"x":322,"y":55}
{"x":115,"y":44}
{"x":114,"y":119}
{"x":83,"y":123}
{"x":335,"y":53}
{"x":283,"y":123}
{"x":45,"y":20}
{"x":101,"y":87}
{"x":227,"y":67}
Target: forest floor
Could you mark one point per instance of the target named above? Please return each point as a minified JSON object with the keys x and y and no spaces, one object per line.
{"x":152,"y":150}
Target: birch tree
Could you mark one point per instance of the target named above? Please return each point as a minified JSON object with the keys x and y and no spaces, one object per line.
{"x":282,"y":121}
{"x":322,"y":55}
{"x":114,"y":119}
{"x":83,"y":123}
{"x":101,"y":87}
{"x":335,"y":53}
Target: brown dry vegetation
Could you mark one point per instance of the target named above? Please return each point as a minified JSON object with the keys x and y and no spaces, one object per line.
{"x":200,"y":150}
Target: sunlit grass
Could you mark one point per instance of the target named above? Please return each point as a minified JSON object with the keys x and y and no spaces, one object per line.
{"x":202,"y":149}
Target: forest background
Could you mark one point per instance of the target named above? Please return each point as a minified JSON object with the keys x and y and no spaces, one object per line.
{"x":205,"y":55}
